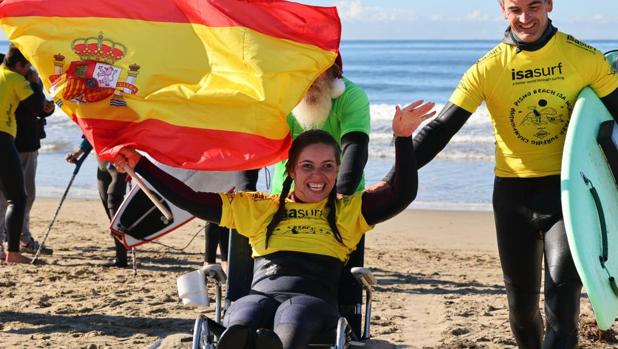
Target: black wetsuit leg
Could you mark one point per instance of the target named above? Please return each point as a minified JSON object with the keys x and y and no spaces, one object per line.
{"x":254,"y":310}
{"x":301,"y":319}
{"x":216,"y":235}
{"x":112,"y":187}
{"x":521,"y":252}
{"x":247,"y":180}
{"x":529,"y":226}
{"x":562,"y":291}
{"x":13,"y":188}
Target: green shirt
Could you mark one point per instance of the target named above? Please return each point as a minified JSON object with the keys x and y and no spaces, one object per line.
{"x":350,"y":113}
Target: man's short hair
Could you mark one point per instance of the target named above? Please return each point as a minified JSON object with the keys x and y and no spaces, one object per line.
{"x":13,"y":56}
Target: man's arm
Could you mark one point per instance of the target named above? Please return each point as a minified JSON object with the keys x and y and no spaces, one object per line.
{"x":34,"y":103}
{"x":355,"y":151}
{"x":611,"y":103}
{"x":432,"y":138}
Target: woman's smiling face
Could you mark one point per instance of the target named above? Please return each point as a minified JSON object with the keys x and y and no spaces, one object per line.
{"x":315,"y":172}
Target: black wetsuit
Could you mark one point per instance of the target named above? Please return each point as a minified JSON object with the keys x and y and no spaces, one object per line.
{"x":294,"y":293}
{"x":12,"y":177}
{"x":530,"y":228}
{"x":112,"y":186}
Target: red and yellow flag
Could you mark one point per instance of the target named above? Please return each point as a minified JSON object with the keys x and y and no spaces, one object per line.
{"x":200,"y":84}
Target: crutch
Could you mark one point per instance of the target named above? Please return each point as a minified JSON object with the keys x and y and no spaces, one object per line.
{"x":78,"y":164}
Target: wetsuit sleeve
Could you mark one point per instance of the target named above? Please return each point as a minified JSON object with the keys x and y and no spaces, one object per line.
{"x":203,"y":205}
{"x":432,"y":138}
{"x":611,"y":103}
{"x":385,"y":203}
{"x":34,"y":103}
{"x":355,"y":150}
{"x":85,"y":146}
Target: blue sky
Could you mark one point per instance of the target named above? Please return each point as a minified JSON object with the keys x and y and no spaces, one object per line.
{"x":463,"y":19}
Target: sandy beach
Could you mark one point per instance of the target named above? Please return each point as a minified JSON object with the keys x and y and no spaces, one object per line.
{"x":440,"y":286}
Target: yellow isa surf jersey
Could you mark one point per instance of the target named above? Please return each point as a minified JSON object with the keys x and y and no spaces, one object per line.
{"x":14,"y":88}
{"x":530,"y":96}
{"x":304,"y":228}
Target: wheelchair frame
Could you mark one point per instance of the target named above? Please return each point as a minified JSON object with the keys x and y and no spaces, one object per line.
{"x":203,"y":338}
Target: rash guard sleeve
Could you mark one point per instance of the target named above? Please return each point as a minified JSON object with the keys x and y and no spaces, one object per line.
{"x":611,"y":103}
{"x":355,"y":150}
{"x":203,"y":205}
{"x":385,"y":203}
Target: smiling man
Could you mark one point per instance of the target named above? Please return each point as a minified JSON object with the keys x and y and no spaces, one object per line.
{"x":530,"y":82}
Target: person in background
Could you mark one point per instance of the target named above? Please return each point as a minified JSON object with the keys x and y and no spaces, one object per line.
{"x":530,"y":83}
{"x":15,"y":89}
{"x":30,"y":131}
{"x":112,"y":186}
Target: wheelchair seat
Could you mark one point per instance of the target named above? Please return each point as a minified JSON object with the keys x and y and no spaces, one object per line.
{"x":347,"y":334}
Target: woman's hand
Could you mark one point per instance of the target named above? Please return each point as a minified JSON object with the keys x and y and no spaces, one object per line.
{"x":73,"y":156}
{"x":127,"y":158}
{"x":406,"y":120}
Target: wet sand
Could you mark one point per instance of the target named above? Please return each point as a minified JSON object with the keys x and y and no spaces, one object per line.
{"x":439,"y":286}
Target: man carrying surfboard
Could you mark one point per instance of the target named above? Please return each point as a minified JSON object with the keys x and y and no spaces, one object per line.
{"x":530,"y":82}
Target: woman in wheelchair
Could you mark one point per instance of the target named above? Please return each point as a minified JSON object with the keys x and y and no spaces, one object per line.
{"x":300,"y":240}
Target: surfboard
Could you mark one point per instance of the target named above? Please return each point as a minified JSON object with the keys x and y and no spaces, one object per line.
{"x":590,"y":202}
{"x":138,"y":221}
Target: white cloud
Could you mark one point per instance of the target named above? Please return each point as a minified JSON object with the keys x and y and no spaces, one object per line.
{"x":594,"y":19}
{"x":358,"y":11}
{"x":475,"y":16}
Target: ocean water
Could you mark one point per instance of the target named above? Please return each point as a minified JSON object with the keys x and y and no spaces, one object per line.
{"x":391,"y":72}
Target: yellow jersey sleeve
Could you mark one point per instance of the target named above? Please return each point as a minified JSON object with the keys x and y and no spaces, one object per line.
{"x":248,"y":212}
{"x":474,"y":88}
{"x":23,"y":89}
{"x":468,"y":94}
{"x":604,"y":80}
{"x":14,"y":88}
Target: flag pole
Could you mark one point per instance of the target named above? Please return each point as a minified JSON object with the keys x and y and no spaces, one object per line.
{"x":149,"y":193}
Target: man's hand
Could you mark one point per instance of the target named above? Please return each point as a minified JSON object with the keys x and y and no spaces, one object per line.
{"x":48,"y":107}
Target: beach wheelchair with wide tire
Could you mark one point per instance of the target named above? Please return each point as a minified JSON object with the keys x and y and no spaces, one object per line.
{"x":206,"y":331}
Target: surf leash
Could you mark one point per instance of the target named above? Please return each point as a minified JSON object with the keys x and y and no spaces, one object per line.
{"x":154,"y":241}
{"x":603,"y":258}
{"x":78,"y":165}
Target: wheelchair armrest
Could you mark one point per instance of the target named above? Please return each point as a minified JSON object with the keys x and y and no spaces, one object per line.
{"x":364,"y":277}
{"x":215,"y":271}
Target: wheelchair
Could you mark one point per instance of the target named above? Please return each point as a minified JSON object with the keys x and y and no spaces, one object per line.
{"x":206,"y":331}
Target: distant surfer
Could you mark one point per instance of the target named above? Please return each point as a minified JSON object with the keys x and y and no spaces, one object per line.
{"x":534,"y":65}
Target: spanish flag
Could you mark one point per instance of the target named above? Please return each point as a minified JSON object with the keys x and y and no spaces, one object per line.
{"x":198,"y":84}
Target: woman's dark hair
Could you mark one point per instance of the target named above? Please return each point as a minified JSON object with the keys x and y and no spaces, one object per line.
{"x":13,"y":56}
{"x":304,"y":140}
